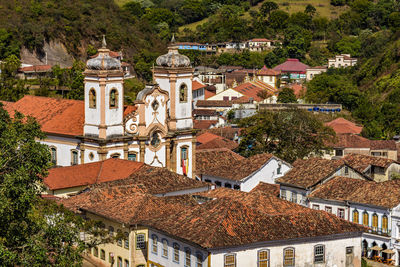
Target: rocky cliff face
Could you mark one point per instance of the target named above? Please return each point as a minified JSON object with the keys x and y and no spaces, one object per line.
{"x":54,"y":52}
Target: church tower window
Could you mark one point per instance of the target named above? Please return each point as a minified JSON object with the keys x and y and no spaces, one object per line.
{"x":155,"y":139}
{"x":92,"y":98}
{"x":183,"y":93}
{"x":113,"y":98}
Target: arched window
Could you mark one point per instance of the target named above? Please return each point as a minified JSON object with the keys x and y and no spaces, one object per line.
{"x":375,"y":221}
{"x":74,"y":157}
{"x":183,"y":93}
{"x":365,"y":218}
{"x":92,"y":98}
{"x":176,"y":253}
{"x":263,"y":258}
{"x":127,"y":264}
{"x":111,"y":231}
{"x":95,"y":252}
{"x":126,"y":243}
{"x":116,"y":156}
{"x":384,"y":223}
{"x":355,"y":216}
{"x":188,"y":254}
{"x":102,"y":255}
{"x":119,"y":262}
{"x":165,"y":248}
{"x":113,"y":98}
{"x":288,"y":257}
{"x":184,"y":160}
{"x":154,"y":245}
{"x":53,"y":152}
{"x":132,"y":156}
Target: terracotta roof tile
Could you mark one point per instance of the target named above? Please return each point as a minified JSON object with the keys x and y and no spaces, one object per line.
{"x":58,"y":116}
{"x":36,"y":68}
{"x":341,"y":125}
{"x":383,"y":144}
{"x":272,"y":189}
{"x":249,"y":218}
{"x":218,"y":143}
{"x":292,"y":65}
{"x":206,"y":137}
{"x":227,"y":132}
{"x":227,"y":164}
{"x":361,"y":162}
{"x":203,"y":124}
{"x":208,"y":94}
{"x":90,"y":173}
{"x":252,"y":89}
{"x":264,"y":71}
{"x":260,"y":40}
{"x":299,"y":90}
{"x":350,"y":141}
{"x":308,"y":172}
{"x":384,"y":194}
{"x":204,"y":112}
{"x":196,"y":85}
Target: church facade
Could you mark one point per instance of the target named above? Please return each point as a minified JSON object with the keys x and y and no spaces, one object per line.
{"x":156,"y":130}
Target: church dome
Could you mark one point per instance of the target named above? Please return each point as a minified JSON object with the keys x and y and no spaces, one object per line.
{"x":173,"y":59}
{"x":103,"y":61}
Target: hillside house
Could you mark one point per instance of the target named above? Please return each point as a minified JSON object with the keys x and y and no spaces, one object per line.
{"x":342,"y":61}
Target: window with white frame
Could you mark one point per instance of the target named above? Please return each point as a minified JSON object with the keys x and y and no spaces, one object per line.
{"x":230,"y":260}
{"x":328,"y":209}
{"x":165,"y":248}
{"x":340,"y":213}
{"x":288,"y":257}
{"x":53,"y":151}
{"x":74,"y":157}
{"x":294,"y":197}
{"x":283,"y":194}
{"x":176,"y":252}
{"x":140,"y":241}
{"x":319,"y":254}
{"x":188,"y":255}
{"x":315,"y":207}
{"x":126,"y":243}
{"x":263,"y":258}
{"x":154,"y":245}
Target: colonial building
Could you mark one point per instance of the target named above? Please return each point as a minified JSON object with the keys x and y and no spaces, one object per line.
{"x":307,"y":174}
{"x":225,"y":168}
{"x":157,"y":130}
{"x":374,"y":205}
{"x":342,"y":61}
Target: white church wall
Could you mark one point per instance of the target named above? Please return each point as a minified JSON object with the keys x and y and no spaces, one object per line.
{"x":155,"y":116}
{"x":183,"y":110}
{"x":155,"y":158}
{"x":92,"y":115}
{"x":163,"y":83}
{"x":181,"y":144}
{"x":64,"y":147}
{"x":114,"y":116}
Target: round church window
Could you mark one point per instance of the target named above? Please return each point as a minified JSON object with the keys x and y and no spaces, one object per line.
{"x":155,"y":139}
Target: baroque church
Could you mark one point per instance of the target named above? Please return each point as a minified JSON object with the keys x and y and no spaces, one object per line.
{"x":156,"y":130}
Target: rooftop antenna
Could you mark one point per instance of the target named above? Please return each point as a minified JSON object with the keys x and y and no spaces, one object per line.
{"x":103,"y":43}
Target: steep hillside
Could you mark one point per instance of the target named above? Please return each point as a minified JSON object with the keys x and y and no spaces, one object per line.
{"x":74,"y":24}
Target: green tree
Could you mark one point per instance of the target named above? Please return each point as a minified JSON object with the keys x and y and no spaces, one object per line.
{"x":8,"y":44}
{"x":75,"y":81}
{"x":267,"y":7}
{"x":11,"y":88}
{"x":34,"y":232}
{"x":310,"y":10}
{"x":267,"y":132}
{"x":278,"y":19}
{"x":286,"y":95}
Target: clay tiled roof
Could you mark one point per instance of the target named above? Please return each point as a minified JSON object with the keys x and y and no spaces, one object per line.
{"x":36,"y":68}
{"x":57,"y":116}
{"x":203,"y":124}
{"x":341,"y":125}
{"x":249,"y":218}
{"x":208,"y":94}
{"x":155,"y":181}
{"x":292,"y":65}
{"x":227,"y":132}
{"x":227,"y":164}
{"x":351,"y":141}
{"x":204,"y":112}
{"x":383,"y":144}
{"x":196,"y":85}
{"x":260,"y":40}
{"x":253,"y":89}
{"x":127,"y":205}
{"x":213,"y":103}
{"x":206,"y":137}
{"x":264,"y":71}
{"x":384,"y":194}
{"x":8,"y":106}
{"x":299,"y":90}
{"x":272,"y":189}
{"x":218,"y":143}
{"x":90,"y":173}
{"x":361,"y":162}
{"x":129,"y":109}
{"x":309,"y":172}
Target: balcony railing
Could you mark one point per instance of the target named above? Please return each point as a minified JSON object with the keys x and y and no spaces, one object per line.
{"x":380,"y":231}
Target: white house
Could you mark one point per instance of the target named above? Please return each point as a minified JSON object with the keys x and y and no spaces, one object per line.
{"x":374,"y":205}
{"x":342,"y":61}
{"x":307,"y":174}
{"x":225,"y":168}
{"x":312,"y":71}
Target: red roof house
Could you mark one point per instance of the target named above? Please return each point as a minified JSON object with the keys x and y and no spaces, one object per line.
{"x":292,"y":65}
